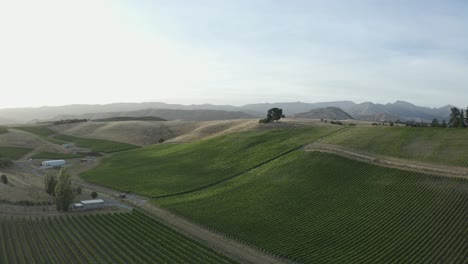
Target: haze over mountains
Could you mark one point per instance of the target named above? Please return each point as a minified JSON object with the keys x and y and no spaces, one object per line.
{"x":364,"y":111}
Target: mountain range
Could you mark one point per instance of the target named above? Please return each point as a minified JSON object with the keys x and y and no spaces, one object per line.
{"x":365,"y":111}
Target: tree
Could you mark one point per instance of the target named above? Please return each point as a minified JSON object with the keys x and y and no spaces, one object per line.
{"x":5,"y":163}
{"x":462,"y":119}
{"x":273,"y":114}
{"x":161,"y":140}
{"x":50,"y":182}
{"x":63,"y":191}
{"x":454,"y":117}
{"x":444,"y":124}
{"x":94,"y":195}
{"x":4,"y":179}
{"x":435,"y":123}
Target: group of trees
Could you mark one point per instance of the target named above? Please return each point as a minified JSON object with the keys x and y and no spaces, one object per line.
{"x":60,"y":187}
{"x":458,"y":118}
{"x":274,"y":114}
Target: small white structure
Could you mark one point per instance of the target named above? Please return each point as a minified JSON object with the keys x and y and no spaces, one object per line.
{"x":77,"y":206}
{"x":53,"y":163}
{"x":66,"y":145}
{"x":93,"y":204}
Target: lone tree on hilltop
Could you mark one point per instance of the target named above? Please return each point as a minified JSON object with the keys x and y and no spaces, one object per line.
{"x":63,"y":191}
{"x":274,"y":114}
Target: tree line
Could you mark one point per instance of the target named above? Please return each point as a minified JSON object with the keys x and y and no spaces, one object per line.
{"x":458,"y":119}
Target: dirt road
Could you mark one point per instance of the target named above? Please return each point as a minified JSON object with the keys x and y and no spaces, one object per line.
{"x":455,"y":172}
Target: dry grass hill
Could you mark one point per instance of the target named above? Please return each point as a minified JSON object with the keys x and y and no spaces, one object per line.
{"x":149,"y":132}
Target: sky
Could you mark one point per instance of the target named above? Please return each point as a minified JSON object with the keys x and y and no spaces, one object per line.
{"x":57,"y":52}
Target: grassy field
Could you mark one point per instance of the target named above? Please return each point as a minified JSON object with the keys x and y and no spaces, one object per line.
{"x":13,"y":153}
{"x":54,"y":155}
{"x":3,"y":130}
{"x":42,"y":131}
{"x":173,"y":168}
{"x":433,"y":145}
{"x":322,"y":208}
{"x":102,"y":238}
{"x":98,"y":145}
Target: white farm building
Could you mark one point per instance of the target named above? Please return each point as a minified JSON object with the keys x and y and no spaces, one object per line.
{"x":53,"y":163}
{"x":89,"y":204}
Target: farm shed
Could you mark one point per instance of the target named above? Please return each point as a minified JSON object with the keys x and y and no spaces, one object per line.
{"x":53,"y":163}
{"x":93,"y":204}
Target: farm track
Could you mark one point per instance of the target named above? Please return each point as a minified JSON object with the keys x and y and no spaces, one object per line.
{"x":447,"y":171}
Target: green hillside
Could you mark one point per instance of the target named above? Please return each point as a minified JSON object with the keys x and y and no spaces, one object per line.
{"x":98,"y":145}
{"x":433,"y":145}
{"x":102,"y":238}
{"x":322,"y":208}
{"x":14,"y":153}
{"x":54,"y":155}
{"x":173,"y":168}
{"x":42,"y":131}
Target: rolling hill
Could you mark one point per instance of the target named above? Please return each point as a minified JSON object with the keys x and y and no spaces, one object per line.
{"x":332,"y":113}
{"x":366,"y":111}
{"x":175,"y":168}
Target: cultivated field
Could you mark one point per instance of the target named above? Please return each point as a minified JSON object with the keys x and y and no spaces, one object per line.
{"x":174,"y":168}
{"x":322,"y":208}
{"x":100,"y":238}
{"x":432,"y":145}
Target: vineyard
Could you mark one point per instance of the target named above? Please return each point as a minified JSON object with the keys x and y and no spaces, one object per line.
{"x":323,"y":208}
{"x":174,"y":168}
{"x":432,"y":145}
{"x":100,"y":238}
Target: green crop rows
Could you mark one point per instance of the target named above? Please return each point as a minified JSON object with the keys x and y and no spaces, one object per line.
{"x":315,"y":207}
{"x":98,"y":145}
{"x":433,"y":145}
{"x":102,"y":238}
{"x":174,"y":168}
{"x":13,"y":153}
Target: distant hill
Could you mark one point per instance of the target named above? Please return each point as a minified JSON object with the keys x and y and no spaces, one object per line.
{"x":167,"y":114}
{"x":366,"y":111}
{"x":333,"y":113}
{"x":130,"y":118}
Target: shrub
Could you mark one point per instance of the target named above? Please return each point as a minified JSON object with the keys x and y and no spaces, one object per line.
{"x":4,"y":179}
{"x":94,"y":195}
{"x":5,"y":163}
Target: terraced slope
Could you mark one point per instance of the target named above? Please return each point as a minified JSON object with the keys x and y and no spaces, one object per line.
{"x":174,"y":168}
{"x":322,"y":208}
{"x":102,"y":238}
{"x":433,"y":145}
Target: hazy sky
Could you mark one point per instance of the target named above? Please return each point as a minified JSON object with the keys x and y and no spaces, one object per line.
{"x":233,"y":51}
